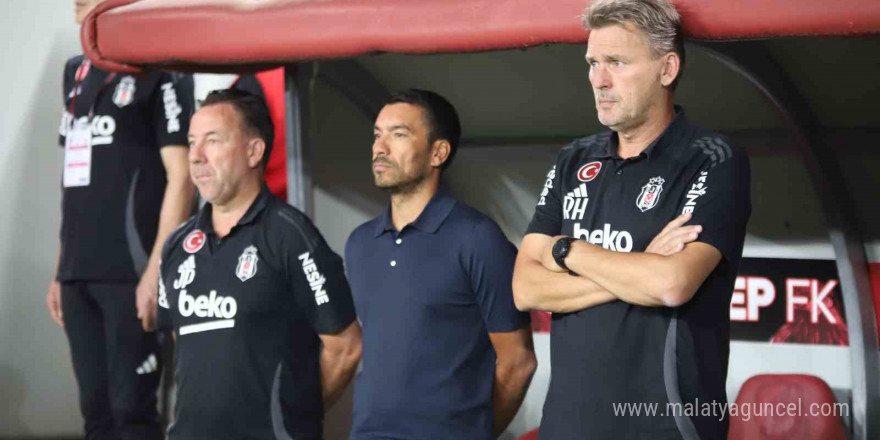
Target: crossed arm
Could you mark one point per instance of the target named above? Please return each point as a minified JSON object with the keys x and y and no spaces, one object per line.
{"x":668,"y":273}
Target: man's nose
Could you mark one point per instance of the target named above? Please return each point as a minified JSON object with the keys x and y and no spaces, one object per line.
{"x":196,"y":152}
{"x":380,"y":146}
{"x":600,"y":78}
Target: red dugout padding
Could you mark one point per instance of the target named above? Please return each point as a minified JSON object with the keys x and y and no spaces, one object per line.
{"x":239,"y":35}
{"x":874,"y":270}
{"x":245,"y":36}
{"x":792,"y":400}
{"x":272,"y":83}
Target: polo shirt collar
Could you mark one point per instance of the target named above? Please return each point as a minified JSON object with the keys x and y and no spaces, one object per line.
{"x":384,"y":223}
{"x":435,"y":212}
{"x":204,"y":217}
{"x":669,"y":135}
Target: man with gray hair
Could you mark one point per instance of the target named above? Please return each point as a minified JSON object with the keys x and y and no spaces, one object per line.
{"x":634,"y":246}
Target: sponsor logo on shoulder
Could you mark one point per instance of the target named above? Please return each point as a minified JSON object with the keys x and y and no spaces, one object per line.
{"x":697,"y":190}
{"x":194,"y":241}
{"x":315,"y":279}
{"x":172,"y":108}
{"x":589,"y":171}
{"x":650,"y":194}
{"x":247,"y":264}
{"x":548,"y":185}
{"x":124,"y":94}
{"x":163,"y":293}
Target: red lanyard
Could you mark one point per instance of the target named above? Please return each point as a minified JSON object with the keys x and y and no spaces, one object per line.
{"x":84,"y":68}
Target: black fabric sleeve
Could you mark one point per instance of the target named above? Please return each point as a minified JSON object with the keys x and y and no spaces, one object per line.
{"x":316,"y":274}
{"x":163,"y":308}
{"x":66,"y":118}
{"x":719,"y":198}
{"x":173,"y":103}
{"x":490,"y":267}
{"x":547,"y":219}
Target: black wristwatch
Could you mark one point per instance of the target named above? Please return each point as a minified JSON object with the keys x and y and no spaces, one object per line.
{"x":560,"y":250}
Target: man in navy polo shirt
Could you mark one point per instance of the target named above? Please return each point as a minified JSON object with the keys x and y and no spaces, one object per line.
{"x":446,"y":353}
{"x":264,"y":321}
{"x":646,"y":319}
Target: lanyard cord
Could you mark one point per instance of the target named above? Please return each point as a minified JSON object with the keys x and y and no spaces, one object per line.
{"x":78,"y":83}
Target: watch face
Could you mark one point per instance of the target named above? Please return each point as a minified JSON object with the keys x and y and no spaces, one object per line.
{"x":560,"y":249}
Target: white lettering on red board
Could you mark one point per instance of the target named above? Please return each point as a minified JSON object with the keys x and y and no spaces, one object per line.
{"x":751,"y":294}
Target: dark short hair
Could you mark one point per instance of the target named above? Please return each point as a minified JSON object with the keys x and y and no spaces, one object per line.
{"x":442,"y":117}
{"x":254,"y":113}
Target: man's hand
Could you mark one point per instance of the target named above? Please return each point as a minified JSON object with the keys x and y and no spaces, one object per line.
{"x":146,"y":293}
{"x":53,"y":302}
{"x":674,"y":236}
{"x":547,"y":259}
{"x":340,"y":355}
{"x":514,"y":368}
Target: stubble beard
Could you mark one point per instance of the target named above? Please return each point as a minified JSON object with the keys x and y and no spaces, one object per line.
{"x":402,"y":185}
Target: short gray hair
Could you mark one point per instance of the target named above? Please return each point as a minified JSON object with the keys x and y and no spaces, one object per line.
{"x":658,"y":19}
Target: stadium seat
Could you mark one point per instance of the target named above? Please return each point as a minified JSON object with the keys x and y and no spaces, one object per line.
{"x":780,"y":391}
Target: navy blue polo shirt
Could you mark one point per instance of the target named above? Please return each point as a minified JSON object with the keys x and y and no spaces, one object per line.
{"x":428,"y":296}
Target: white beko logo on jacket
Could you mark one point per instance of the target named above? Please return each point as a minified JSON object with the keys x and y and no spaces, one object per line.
{"x":618,"y":241}
{"x":102,"y":127}
{"x":211,"y":305}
